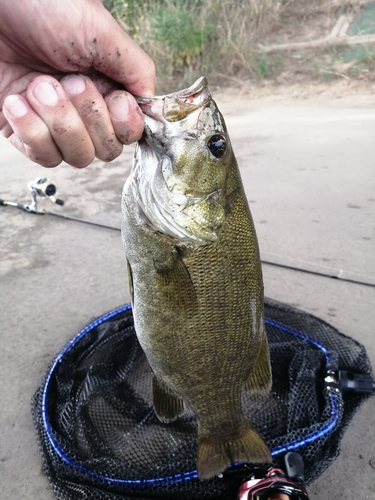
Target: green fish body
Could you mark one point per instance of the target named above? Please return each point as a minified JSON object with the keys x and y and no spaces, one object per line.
{"x":195,"y":276}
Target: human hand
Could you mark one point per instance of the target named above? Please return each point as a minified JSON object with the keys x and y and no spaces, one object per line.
{"x":52,"y":115}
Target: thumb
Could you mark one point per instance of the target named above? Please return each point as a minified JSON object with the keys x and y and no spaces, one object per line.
{"x":117,"y":55}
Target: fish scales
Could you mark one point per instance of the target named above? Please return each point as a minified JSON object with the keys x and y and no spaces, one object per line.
{"x":196,"y":285}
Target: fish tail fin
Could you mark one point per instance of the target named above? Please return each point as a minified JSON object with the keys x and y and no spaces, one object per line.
{"x":214,"y":455}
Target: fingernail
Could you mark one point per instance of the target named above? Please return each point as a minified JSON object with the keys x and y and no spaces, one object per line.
{"x":45,"y":93}
{"x":73,"y":84}
{"x":118,"y":107}
{"x":15,"y":105}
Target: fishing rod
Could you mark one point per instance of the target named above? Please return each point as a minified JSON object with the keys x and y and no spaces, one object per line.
{"x":43,"y":188}
{"x":324,"y":271}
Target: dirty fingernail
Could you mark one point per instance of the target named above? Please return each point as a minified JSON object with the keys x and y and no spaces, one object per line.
{"x":45,"y":93}
{"x":118,"y":107}
{"x":73,"y":84}
{"x":15,"y":105}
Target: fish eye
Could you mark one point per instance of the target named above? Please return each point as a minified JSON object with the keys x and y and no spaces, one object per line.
{"x":217,"y":145}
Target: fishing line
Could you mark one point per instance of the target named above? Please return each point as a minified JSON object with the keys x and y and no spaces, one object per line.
{"x":56,"y":214}
{"x":43,"y":188}
{"x":320,"y":273}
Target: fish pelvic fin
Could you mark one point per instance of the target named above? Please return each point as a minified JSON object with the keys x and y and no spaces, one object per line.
{"x":168,"y":406}
{"x":214,"y":455}
{"x":259,"y":379}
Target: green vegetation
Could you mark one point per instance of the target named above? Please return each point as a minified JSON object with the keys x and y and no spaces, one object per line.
{"x":188,"y":38}
{"x":223,"y":39}
{"x":364,"y":24}
{"x":175,"y":28}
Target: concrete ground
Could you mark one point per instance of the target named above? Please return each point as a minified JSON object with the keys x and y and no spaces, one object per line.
{"x":308,"y":170}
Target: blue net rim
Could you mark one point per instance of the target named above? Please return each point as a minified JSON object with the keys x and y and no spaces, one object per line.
{"x":334,"y":399}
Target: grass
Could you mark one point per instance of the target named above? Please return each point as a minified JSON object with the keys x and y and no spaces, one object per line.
{"x":189,"y":38}
{"x":364,"y":24}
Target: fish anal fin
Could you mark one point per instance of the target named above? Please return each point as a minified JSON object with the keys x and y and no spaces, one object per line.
{"x":168,"y":406}
{"x":259,"y":379}
{"x":214,"y":455}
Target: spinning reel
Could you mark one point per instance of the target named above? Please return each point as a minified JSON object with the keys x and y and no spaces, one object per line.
{"x":276,"y":484}
{"x":42,"y":187}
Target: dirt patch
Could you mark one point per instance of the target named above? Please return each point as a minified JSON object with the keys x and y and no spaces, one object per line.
{"x":338,"y":93}
{"x":303,"y":25}
{"x":312,"y":51}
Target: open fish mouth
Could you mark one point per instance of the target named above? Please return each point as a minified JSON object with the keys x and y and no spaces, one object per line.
{"x":177,"y":105}
{"x":177,"y":181}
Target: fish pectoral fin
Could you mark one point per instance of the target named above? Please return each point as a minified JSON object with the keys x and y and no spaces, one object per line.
{"x":168,"y":406}
{"x":174,"y":282}
{"x":216,"y":452}
{"x":260,"y":377}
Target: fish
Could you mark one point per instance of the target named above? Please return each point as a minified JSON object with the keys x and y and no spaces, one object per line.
{"x":195,"y":276}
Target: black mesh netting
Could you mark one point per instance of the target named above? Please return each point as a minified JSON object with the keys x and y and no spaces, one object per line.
{"x":101,"y":439}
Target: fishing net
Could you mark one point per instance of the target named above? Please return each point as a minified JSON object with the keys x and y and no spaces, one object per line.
{"x":101,"y":439}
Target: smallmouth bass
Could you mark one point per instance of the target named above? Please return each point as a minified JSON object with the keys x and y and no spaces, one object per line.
{"x":195,"y":275}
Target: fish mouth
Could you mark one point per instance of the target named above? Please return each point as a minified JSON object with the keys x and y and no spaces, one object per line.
{"x":178,"y":105}
{"x":196,"y":88}
{"x":166,"y":201}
